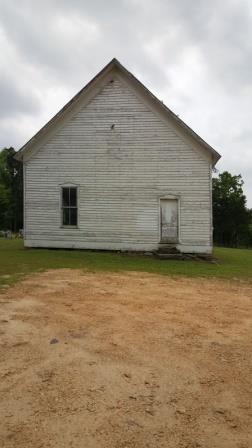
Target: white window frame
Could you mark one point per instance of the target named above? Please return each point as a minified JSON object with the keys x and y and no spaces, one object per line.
{"x":66,"y":226}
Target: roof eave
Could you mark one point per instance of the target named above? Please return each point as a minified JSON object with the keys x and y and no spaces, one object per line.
{"x":115,"y":63}
{"x":29,"y":143}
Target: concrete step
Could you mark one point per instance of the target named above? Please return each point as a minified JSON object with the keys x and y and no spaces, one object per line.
{"x":174,"y":256}
{"x":168,"y":249}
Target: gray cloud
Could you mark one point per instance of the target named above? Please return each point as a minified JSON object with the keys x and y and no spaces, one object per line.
{"x":195,"y":56}
{"x":16,"y":101}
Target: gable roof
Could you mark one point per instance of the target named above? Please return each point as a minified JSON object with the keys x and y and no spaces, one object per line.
{"x":114,"y":63}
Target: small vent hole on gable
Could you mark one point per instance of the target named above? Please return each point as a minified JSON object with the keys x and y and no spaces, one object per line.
{"x":111,"y":81}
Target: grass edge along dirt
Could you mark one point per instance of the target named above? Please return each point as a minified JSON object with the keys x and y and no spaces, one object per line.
{"x":16,"y":262}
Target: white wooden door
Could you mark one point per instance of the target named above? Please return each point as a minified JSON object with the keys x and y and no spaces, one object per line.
{"x":169,"y":220}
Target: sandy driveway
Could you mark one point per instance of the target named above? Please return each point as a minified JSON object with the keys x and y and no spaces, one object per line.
{"x":141,"y":361}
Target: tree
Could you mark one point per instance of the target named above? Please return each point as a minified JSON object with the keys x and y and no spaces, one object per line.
{"x":11,"y":191}
{"x":231,"y":218}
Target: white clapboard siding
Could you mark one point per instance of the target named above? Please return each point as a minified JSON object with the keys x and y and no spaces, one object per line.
{"x":121,"y":174}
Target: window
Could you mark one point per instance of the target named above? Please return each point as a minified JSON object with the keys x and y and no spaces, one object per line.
{"x":69,"y":206}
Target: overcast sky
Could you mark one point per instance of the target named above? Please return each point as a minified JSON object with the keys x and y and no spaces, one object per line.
{"x":196,"y":56}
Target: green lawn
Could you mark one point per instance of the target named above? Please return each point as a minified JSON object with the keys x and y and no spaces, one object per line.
{"x":16,"y":262}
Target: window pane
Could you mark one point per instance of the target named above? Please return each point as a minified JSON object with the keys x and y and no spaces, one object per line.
{"x":73,"y":197}
{"x":73,"y":216}
{"x":65,"y":197}
{"x":69,"y":206}
{"x":66,"y":216}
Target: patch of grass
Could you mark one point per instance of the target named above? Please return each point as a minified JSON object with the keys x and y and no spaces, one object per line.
{"x":16,"y":262}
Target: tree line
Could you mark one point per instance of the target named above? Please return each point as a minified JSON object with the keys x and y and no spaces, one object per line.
{"x":232,"y":220}
{"x":11,"y":191}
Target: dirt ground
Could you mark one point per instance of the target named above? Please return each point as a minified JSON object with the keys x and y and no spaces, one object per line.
{"x":94,"y":360}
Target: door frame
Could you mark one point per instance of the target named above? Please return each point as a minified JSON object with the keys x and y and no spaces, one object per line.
{"x":173,"y":197}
